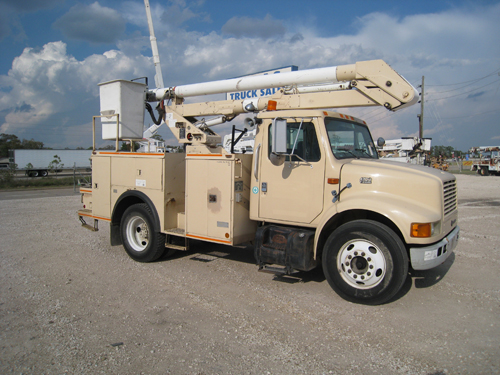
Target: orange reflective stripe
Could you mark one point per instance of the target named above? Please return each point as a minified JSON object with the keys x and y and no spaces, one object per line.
{"x":208,"y":239}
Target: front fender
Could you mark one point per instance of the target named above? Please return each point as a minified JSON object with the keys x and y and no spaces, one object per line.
{"x":400,"y":210}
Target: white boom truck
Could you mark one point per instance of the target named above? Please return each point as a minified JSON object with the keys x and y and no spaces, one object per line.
{"x":412,"y":150}
{"x":488,"y":162}
{"x":314,"y":191}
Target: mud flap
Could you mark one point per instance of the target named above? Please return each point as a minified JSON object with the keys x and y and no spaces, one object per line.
{"x":114,"y":235}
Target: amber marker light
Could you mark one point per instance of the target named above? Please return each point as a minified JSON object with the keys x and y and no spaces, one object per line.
{"x":333,"y":181}
{"x":422,"y":230}
{"x":271,"y":105}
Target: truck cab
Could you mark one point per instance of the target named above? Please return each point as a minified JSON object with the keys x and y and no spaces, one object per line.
{"x":326,"y":179}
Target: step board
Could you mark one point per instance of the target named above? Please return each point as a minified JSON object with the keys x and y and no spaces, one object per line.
{"x":175,"y":247}
{"x":179,"y":235}
{"x":275,"y":270}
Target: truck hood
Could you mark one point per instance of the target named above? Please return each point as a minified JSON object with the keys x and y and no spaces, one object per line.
{"x":388,"y":168}
{"x":396,"y":187}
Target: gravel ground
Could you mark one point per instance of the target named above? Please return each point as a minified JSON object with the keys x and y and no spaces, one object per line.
{"x":71,"y":303}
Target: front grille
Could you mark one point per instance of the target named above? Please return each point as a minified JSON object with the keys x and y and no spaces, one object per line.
{"x":449,"y":196}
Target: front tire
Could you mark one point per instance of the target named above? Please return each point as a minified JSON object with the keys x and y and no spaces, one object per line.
{"x":139,"y":239}
{"x":365,"y":262}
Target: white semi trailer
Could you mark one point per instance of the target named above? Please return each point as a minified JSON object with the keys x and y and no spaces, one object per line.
{"x":37,"y":163}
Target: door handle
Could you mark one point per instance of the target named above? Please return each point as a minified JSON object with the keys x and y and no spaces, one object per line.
{"x":256,"y":163}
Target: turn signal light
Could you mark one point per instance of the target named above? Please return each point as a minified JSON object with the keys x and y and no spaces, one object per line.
{"x":271,"y":105}
{"x":422,"y":230}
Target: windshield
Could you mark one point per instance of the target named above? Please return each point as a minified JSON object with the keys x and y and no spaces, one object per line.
{"x":350,"y":139}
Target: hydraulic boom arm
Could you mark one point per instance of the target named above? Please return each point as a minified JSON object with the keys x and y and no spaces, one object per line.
{"x":366,"y":83}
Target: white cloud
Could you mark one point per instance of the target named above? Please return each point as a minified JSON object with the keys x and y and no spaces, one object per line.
{"x":50,"y":89}
{"x":448,"y":47}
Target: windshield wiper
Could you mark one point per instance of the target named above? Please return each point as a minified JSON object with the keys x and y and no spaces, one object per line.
{"x":349,"y":151}
{"x":364,"y":152}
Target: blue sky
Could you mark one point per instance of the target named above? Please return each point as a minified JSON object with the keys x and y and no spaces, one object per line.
{"x":55,"y":52}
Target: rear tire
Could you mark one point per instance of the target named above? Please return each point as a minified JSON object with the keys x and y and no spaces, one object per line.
{"x":365,"y":262}
{"x":485,"y":172}
{"x":140,"y":241}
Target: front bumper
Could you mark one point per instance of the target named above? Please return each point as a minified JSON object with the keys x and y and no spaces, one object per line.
{"x":424,"y":258}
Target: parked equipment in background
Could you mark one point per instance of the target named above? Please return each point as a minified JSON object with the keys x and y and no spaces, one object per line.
{"x":487,"y":160}
{"x":411,"y":150}
{"x":38,"y":163}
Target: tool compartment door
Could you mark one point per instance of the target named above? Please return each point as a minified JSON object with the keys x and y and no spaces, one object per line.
{"x":101,"y":179}
{"x":209,"y":198}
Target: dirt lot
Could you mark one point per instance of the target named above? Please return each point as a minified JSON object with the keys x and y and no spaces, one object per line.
{"x":70,"y":303}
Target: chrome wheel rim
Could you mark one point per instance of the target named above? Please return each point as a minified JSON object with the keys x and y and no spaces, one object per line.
{"x":361,"y":264}
{"x":137,"y":233}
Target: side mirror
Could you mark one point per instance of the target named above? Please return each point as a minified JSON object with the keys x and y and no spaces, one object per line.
{"x":380,"y":142}
{"x":276,"y":159}
{"x":279,"y":136}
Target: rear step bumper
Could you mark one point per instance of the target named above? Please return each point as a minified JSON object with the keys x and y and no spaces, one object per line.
{"x":82,"y":214}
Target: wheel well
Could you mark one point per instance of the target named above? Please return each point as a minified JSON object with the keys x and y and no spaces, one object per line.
{"x":126,"y":200}
{"x":122,"y":205}
{"x":347,"y":216}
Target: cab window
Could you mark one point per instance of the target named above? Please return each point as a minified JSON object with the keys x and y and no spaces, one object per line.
{"x":305,"y":140}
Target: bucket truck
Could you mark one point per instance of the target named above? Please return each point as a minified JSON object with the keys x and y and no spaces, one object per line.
{"x":412,"y":150}
{"x":488,"y":162}
{"x":313,"y":192}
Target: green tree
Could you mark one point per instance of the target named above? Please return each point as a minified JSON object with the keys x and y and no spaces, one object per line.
{"x":158,"y":137}
{"x":7,"y":175}
{"x":107,"y":147}
{"x":31,"y":144}
{"x":445,"y":151}
{"x":125,"y":146}
{"x":56,"y":165}
{"x":8,"y":142}
{"x":12,"y":142}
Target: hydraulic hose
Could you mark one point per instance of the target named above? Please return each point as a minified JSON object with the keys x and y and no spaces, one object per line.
{"x":161,"y":113}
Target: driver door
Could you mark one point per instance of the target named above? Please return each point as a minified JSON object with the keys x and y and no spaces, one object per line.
{"x":292,"y":191}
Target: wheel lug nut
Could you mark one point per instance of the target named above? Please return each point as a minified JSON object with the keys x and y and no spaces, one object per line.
{"x":371,"y":266}
{"x":368,"y":274}
{"x":349,"y":271}
{"x":350,"y":257}
{"x":362,"y":254}
{"x":346,"y":263}
{"x":355,"y":276}
{"x":362,"y":277}
{"x":355,"y":253}
{"x":369,"y":259}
